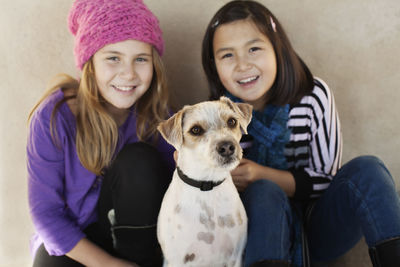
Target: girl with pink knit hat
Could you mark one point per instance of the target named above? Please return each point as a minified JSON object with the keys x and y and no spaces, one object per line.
{"x":97,"y":169}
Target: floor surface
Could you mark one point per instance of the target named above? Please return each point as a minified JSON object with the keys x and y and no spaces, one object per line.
{"x":356,"y":257}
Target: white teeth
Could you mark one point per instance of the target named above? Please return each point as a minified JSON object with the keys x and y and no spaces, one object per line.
{"x":248,"y":80}
{"x":124,"y":88}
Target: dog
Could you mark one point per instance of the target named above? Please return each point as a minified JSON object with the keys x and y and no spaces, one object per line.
{"x":202,"y":221}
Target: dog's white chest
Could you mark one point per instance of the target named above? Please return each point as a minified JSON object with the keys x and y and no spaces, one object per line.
{"x":202,"y":228}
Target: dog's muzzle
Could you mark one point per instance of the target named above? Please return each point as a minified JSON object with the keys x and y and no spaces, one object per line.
{"x":225,"y":148}
{"x":227,"y":152}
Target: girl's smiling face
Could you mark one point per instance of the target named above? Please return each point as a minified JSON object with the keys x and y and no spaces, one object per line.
{"x":245,"y":61}
{"x":124,"y":72}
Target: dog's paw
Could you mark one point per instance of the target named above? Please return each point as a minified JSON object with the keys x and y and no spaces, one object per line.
{"x":111,"y":217}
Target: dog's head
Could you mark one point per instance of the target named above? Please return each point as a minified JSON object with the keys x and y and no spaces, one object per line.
{"x":207,"y":134}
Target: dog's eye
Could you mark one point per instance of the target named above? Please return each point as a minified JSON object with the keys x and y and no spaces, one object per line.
{"x":231,"y":123}
{"x":196,"y":130}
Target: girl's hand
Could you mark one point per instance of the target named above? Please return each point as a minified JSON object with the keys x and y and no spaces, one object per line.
{"x":116,"y":262}
{"x":249,"y":171}
{"x":91,"y":255}
{"x":245,"y":174}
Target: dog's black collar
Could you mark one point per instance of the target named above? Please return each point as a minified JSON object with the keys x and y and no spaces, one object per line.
{"x":203,"y":185}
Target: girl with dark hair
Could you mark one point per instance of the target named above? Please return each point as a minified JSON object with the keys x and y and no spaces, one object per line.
{"x":291,"y":179}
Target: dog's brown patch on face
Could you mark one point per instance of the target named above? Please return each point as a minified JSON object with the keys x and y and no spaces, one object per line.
{"x":189,"y":258}
{"x":226,"y":117}
{"x":190,"y":120}
{"x":190,"y":140}
{"x":229,"y":104}
{"x":226,"y":221}
{"x":206,"y":237}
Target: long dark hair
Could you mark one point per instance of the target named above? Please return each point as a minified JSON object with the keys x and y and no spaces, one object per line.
{"x":293,"y":79}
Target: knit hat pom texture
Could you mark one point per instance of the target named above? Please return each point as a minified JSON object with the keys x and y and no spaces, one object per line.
{"x":96,"y":23}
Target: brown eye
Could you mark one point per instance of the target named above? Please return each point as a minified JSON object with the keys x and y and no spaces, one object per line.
{"x":232,"y":123}
{"x":196,"y":130}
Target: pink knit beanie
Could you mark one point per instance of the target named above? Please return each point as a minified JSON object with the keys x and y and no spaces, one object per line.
{"x":96,"y":23}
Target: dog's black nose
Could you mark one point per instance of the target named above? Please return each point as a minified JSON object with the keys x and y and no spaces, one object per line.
{"x":225,"y":148}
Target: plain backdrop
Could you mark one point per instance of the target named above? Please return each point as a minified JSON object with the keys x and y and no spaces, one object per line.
{"x":353,"y":45}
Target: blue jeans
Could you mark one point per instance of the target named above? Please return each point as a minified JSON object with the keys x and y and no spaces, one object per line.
{"x":361,"y":201}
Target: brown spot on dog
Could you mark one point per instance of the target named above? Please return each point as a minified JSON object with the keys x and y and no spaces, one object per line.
{"x":221,"y":222}
{"x":189,"y":258}
{"x":177,"y":208}
{"x":226,"y":221}
{"x":206,"y":237}
{"x":207,"y":221}
{"x":228,"y":250}
{"x":239,"y":218}
{"x":206,"y":217}
{"x":207,"y":209}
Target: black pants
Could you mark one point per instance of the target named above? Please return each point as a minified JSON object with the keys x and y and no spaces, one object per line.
{"x":133,"y":186}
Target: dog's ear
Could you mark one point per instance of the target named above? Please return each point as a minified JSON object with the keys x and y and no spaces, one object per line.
{"x":246,"y":114}
{"x":171,"y":129}
{"x":244,"y":110}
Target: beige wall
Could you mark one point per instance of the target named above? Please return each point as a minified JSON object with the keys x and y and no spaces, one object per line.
{"x":352,"y":45}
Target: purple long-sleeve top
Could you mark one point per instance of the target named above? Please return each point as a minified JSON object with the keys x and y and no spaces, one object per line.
{"x":62,"y":193}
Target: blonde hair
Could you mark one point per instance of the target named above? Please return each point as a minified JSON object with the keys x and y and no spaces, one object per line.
{"x":97,"y":132}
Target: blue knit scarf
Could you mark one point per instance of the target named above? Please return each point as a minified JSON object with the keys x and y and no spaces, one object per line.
{"x":270,"y":132}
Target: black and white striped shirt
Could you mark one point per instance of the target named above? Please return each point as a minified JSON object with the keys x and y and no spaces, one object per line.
{"x":314,"y":151}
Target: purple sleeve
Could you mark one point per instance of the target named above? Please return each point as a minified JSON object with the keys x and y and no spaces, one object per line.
{"x":46,"y":172}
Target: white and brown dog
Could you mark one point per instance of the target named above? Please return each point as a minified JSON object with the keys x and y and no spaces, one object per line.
{"x":202,"y":221}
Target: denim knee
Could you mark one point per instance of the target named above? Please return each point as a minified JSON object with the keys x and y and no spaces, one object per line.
{"x":264,"y":195}
{"x":366,"y":162}
{"x":365,"y":189}
{"x":369,"y":170}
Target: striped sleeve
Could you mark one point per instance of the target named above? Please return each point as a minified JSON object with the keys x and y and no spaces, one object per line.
{"x":315,"y":148}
